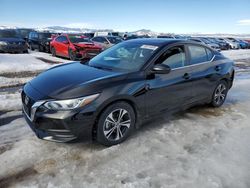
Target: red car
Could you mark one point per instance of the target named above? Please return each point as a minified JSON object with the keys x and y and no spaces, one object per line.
{"x":74,"y":47}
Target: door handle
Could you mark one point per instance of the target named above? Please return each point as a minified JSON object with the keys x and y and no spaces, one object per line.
{"x":186,"y":76}
{"x":217,"y":68}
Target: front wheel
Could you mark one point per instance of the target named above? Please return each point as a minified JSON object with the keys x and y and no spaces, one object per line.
{"x":220,"y":94}
{"x":53,"y":51}
{"x":72,"y":55}
{"x":41,"y":48}
{"x":115,"y":124}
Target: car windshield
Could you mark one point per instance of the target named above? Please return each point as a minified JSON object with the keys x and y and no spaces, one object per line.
{"x":8,"y":34}
{"x":24,"y":32}
{"x":125,"y":56}
{"x":44,"y":35}
{"x":114,"y":40}
{"x":78,"y":39}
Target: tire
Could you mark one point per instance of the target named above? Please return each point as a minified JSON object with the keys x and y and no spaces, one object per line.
{"x":110,"y":131}
{"x":41,"y":48}
{"x":72,"y":55}
{"x":219,"y":94}
{"x":53,"y":51}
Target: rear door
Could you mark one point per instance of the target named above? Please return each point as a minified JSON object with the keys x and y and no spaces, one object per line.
{"x":172,"y":90}
{"x":205,"y":73}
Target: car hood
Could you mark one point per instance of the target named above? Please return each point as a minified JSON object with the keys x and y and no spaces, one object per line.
{"x":12,"y":40}
{"x":73,"y":80}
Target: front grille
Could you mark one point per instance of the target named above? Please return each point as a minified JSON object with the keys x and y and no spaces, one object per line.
{"x":93,"y":51}
{"x":27,"y":103}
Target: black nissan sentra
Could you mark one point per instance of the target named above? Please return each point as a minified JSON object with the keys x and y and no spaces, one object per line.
{"x":112,"y":94}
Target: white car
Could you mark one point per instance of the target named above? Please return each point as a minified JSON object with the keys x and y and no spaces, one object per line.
{"x":233,"y":45}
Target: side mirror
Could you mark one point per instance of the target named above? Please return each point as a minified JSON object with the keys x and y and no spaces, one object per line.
{"x":161,"y":69}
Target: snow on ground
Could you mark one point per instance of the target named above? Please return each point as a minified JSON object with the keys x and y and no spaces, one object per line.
{"x":10,"y":101}
{"x":237,"y":54}
{"x":6,"y":82}
{"x":10,"y":63}
{"x":203,"y":147}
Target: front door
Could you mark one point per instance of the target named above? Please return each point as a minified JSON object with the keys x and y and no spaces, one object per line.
{"x":172,"y":90}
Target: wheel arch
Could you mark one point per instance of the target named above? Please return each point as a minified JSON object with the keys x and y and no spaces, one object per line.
{"x":107,"y":103}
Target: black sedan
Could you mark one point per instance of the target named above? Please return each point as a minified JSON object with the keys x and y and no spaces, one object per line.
{"x":113,"y":93}
{"x":11,"y":41}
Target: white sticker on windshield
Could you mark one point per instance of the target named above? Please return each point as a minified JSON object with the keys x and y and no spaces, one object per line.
{"x":149,"y":47}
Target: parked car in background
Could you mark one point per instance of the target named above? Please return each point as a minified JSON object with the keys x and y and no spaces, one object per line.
{"x":241,"y":44}
{"x":205,"y":41}
{"x":248,"y":41}
{"x":11,"y":41}
{"x":40,"y":40}
{"x":106,"y":41}
{"x":133,"y":36}
{"x":173,"y":37}
{"x":74,"y":47}
{"x":222,"y":44}
{"x":89,"y":35}
{"x":244,"y":44}
{"x":24,"y":33}
{"x":121,"y":87}
{"x":233,"y":43}
{"x":166,"y":36}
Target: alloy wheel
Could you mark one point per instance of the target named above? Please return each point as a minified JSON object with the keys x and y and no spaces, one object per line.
{"x":220,"y":94}
{"x":117,"y":124}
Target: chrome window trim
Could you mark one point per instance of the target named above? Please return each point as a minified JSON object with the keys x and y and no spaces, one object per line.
{"x":186,"y":66}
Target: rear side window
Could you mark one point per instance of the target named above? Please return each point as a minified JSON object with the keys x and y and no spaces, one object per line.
{"x":199,"y":54}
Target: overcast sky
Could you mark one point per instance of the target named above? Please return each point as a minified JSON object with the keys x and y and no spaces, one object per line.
{"x":181,"y":16}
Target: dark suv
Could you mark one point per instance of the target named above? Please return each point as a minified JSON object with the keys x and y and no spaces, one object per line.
{"x":11,"y":41}
{"x":40,"y":41}
{"x":118,"y":89}
{"x":24,"y":33}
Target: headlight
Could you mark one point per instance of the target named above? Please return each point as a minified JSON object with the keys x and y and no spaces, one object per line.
{"x":3,"y":43}
{"x":70,"y":103}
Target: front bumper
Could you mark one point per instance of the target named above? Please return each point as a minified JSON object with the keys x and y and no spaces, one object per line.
{"x":13,"y":48}
{"x":60,"y":126}
{"x":87,"y":54}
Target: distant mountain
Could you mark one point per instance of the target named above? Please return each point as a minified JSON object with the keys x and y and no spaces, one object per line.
{"x":60,"y":29}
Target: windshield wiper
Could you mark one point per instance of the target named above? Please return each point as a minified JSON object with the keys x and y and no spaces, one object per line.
{"x":103,"y":68}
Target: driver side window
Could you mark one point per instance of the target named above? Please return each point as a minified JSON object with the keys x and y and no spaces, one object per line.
{"x":174,"y":57}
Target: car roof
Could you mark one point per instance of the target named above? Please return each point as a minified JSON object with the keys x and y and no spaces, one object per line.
{"x":157,"y":41}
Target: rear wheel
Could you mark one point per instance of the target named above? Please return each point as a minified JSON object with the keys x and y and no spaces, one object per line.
{"x":220,"y":94}
{"x":72,"y":55}
{"x":115,"y":124}
{"x":53,"y":51}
